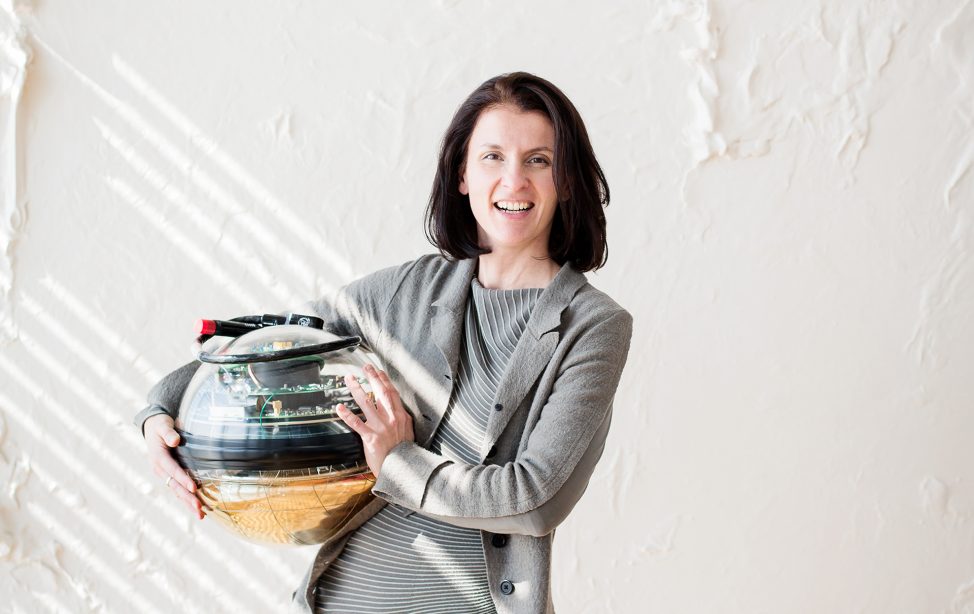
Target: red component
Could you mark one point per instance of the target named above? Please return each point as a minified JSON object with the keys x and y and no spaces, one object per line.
{"x":205,"y":327}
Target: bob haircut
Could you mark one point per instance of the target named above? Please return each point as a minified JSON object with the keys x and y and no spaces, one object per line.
{"x":578,"y":228}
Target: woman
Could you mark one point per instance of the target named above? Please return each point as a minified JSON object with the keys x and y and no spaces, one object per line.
{"x":502,"y":362}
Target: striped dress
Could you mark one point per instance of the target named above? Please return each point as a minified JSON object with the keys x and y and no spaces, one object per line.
{"x":400,"y":561}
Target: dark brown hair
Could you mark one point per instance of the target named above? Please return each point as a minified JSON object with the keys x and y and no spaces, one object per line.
{"x":578,"y":228}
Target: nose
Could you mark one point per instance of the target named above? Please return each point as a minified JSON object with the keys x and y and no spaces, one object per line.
{"x":514,"y":177}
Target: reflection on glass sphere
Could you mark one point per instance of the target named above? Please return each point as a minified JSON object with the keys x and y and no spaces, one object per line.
{"x":261,"y":437}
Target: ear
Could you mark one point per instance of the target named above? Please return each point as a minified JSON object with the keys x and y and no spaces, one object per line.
{"x":463,"y":184}
{"x":564,"y":194}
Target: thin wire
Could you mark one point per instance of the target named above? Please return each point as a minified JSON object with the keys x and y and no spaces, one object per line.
{"x":260,"y":424}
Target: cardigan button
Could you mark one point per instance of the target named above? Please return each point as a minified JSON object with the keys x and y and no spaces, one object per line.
{"x":498,"y":540}
{"x":507,"y":587}
{"x":498,"y":407}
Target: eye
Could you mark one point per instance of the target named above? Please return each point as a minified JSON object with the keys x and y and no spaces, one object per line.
{"x":539,"y":160}
{"x":491,"y":156}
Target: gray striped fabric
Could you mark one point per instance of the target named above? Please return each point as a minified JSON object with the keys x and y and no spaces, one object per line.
{"x":400,"y":561}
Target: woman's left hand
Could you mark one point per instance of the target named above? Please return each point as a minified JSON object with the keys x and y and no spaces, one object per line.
{"x":387,"y":423}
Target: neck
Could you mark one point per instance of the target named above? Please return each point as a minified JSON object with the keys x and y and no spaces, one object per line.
{"x":498,"y":271}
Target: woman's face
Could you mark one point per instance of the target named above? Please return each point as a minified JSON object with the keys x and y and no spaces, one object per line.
{"x":508,"y":177}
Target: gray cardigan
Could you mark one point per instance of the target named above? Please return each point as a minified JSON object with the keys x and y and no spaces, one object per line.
{"x":552,"y":414}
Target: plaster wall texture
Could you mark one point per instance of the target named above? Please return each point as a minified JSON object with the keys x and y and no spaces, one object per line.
{"x":791,"y":227}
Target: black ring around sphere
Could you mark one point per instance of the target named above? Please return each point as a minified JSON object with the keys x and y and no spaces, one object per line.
{"x":199,"y":452}
{"x":308,"y":350}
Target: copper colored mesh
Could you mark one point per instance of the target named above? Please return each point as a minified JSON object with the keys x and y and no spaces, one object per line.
{"x":290,"y":510}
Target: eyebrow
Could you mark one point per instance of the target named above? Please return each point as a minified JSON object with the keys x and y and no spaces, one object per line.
{"x":496,"y":146}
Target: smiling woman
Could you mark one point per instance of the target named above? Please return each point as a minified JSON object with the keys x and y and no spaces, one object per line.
{"x":502,"y":363}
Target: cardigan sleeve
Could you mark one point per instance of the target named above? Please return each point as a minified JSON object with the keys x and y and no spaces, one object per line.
{"x":545,"y":518}
{"x":560,"y":452}
{"x":165,"y":395}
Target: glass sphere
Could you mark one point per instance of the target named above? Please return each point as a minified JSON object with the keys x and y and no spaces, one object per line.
{"x":260,"y":435}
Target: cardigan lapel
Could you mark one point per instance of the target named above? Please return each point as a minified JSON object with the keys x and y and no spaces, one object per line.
{"x":530,"y":357}
{"x":533,"y":352}
{"x":446,"y":330}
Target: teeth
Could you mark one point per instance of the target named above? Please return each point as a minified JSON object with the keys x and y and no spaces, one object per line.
{"x":513,"y":205}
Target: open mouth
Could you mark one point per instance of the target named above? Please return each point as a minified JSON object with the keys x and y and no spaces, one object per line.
{"x":514,"y":206}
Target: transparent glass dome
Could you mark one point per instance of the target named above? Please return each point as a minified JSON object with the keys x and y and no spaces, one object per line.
{"x":261,"y":437}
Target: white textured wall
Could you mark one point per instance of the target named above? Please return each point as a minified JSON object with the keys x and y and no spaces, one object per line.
{"x":791,"y":226}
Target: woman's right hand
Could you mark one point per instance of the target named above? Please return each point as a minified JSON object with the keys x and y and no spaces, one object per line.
{"x":159,"y":438}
